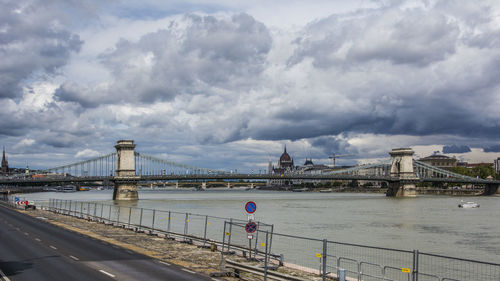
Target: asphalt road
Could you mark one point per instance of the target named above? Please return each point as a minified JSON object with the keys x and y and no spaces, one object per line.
{"x":32,"y":249}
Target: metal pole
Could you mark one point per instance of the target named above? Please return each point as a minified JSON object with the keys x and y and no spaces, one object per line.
{"x":95,"y":210}
{"x":88,"y":210}
{"x":415,"y":265}
{"x":230,"y":233}
{"x":109,"y":216}
{"x":271,"y":237}
{"x":256,"y":239}
{"x":324,"y":258}
{"x":118,"y":216}
{"x":102,"y":208}
{"x":129,"y":213}
{"x":266,"y":257}
{"x":140,"y":220}
{"x":81,"y":210}
{"x":205,"y":232}
{"x":223,"y":243}
{"x":168,"y":224}
{"x":70,"y":207}
{"x":153,"y":223}
{"x":186,"y":222}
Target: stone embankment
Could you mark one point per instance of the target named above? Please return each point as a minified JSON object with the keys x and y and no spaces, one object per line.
{"x":161,"y":247}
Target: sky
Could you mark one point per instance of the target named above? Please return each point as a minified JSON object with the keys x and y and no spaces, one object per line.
{"x":225,"y":84}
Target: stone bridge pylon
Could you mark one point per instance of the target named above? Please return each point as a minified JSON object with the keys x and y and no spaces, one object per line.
{"x":125,"y":177}
{"x":403,"y":173}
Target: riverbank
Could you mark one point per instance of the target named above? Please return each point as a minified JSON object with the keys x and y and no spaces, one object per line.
{"x":159,"y":246}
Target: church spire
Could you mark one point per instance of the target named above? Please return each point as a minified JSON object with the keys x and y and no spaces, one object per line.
{"x":5,"y":164}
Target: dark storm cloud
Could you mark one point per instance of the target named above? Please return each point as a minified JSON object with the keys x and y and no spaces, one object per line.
{"x":456,"y":149}
{"x":331,"y":145}
{"x":190,"y":56}
{"x":397,"y":70}
{"x":493,"y":148}
{"x":32,"y":41}
{"x":414,"y":37}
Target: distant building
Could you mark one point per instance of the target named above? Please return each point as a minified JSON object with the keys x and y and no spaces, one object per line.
{"x":440,"y":161}
{"x":285,"y":166}
{"x":496,"y":164}
{"x":5,"y":164}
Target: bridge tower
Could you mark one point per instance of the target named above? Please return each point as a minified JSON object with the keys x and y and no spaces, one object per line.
{"x":125,"y":178}
{"x":402,"y":171}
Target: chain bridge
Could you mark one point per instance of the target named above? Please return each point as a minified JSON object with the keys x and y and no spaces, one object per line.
{"x":126,"y":167}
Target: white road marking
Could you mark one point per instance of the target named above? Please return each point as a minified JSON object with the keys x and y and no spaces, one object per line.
{"x":26,"y":233}
{"x":38,"y":239}
{"x":165,"y":263}
{"x":53,"y":247}
{"x":3,"y":276}
{"x":187,"y":270}
{"x":107,"y":273}
{"x":75,"y":258}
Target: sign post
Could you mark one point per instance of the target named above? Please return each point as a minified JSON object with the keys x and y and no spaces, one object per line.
{"x":251,"y":226}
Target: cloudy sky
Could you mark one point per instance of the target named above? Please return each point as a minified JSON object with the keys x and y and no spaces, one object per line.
{"x":225,"y":84}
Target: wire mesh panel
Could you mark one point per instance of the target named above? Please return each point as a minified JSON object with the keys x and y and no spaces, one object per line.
{"x":147,"y":218}
{"x":306,"y":253}
{"x":215,"y":227}
{"x":177,"y":222}
{"x":196,"y":225}
{"x":373,"y":262}
{"x":135,"y":216}
{"x":449,"y":269}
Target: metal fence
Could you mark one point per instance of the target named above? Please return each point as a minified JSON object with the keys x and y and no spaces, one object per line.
{"x":322,"y":257}
{"x":347,"y":261}
{"x":190,"y":227}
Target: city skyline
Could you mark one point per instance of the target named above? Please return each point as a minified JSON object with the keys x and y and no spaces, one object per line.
{"x":227,"y":84}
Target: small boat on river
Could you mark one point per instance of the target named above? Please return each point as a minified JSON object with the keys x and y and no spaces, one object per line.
{"x":468,"y":204}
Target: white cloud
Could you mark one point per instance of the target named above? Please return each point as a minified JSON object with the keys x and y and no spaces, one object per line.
{"x":87,"y":153}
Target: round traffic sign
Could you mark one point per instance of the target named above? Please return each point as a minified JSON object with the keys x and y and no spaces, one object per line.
{"x":251,"y":227}
{"x":250,"y":207}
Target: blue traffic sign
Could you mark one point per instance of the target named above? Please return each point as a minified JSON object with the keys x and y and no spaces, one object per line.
{"x":251,"y":227}
{"x":250,"y":207}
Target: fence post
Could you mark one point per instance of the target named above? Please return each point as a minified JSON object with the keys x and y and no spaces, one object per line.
{"x":324,"y":258}
{"x":415,"y":265}
{"x":118,"y":216}
{"x":223,"y":245}
{"x":102,"y":208}
{"x":186,"y":222}
{"x":70,"y":207}
{"x":81,"y":210}
{"x":256,"y":240}
{"x":230,"y":233}
{"x":109,"y":215}
{"x":95,"y":210}
{"x":140,"y":219}
{"x":153,"y":223}
{"x":266,"y":257}
{"x":88,"y":210}
{"x":271,"y":238}
{"x":205,"y":231}
{"x":168,"y":223}
{"x":129,"y":214}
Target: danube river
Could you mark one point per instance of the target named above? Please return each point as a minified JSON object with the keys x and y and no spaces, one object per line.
{"x":431,"y":224}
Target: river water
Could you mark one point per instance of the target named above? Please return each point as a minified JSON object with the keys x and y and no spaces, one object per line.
{"x":432,"y":224}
